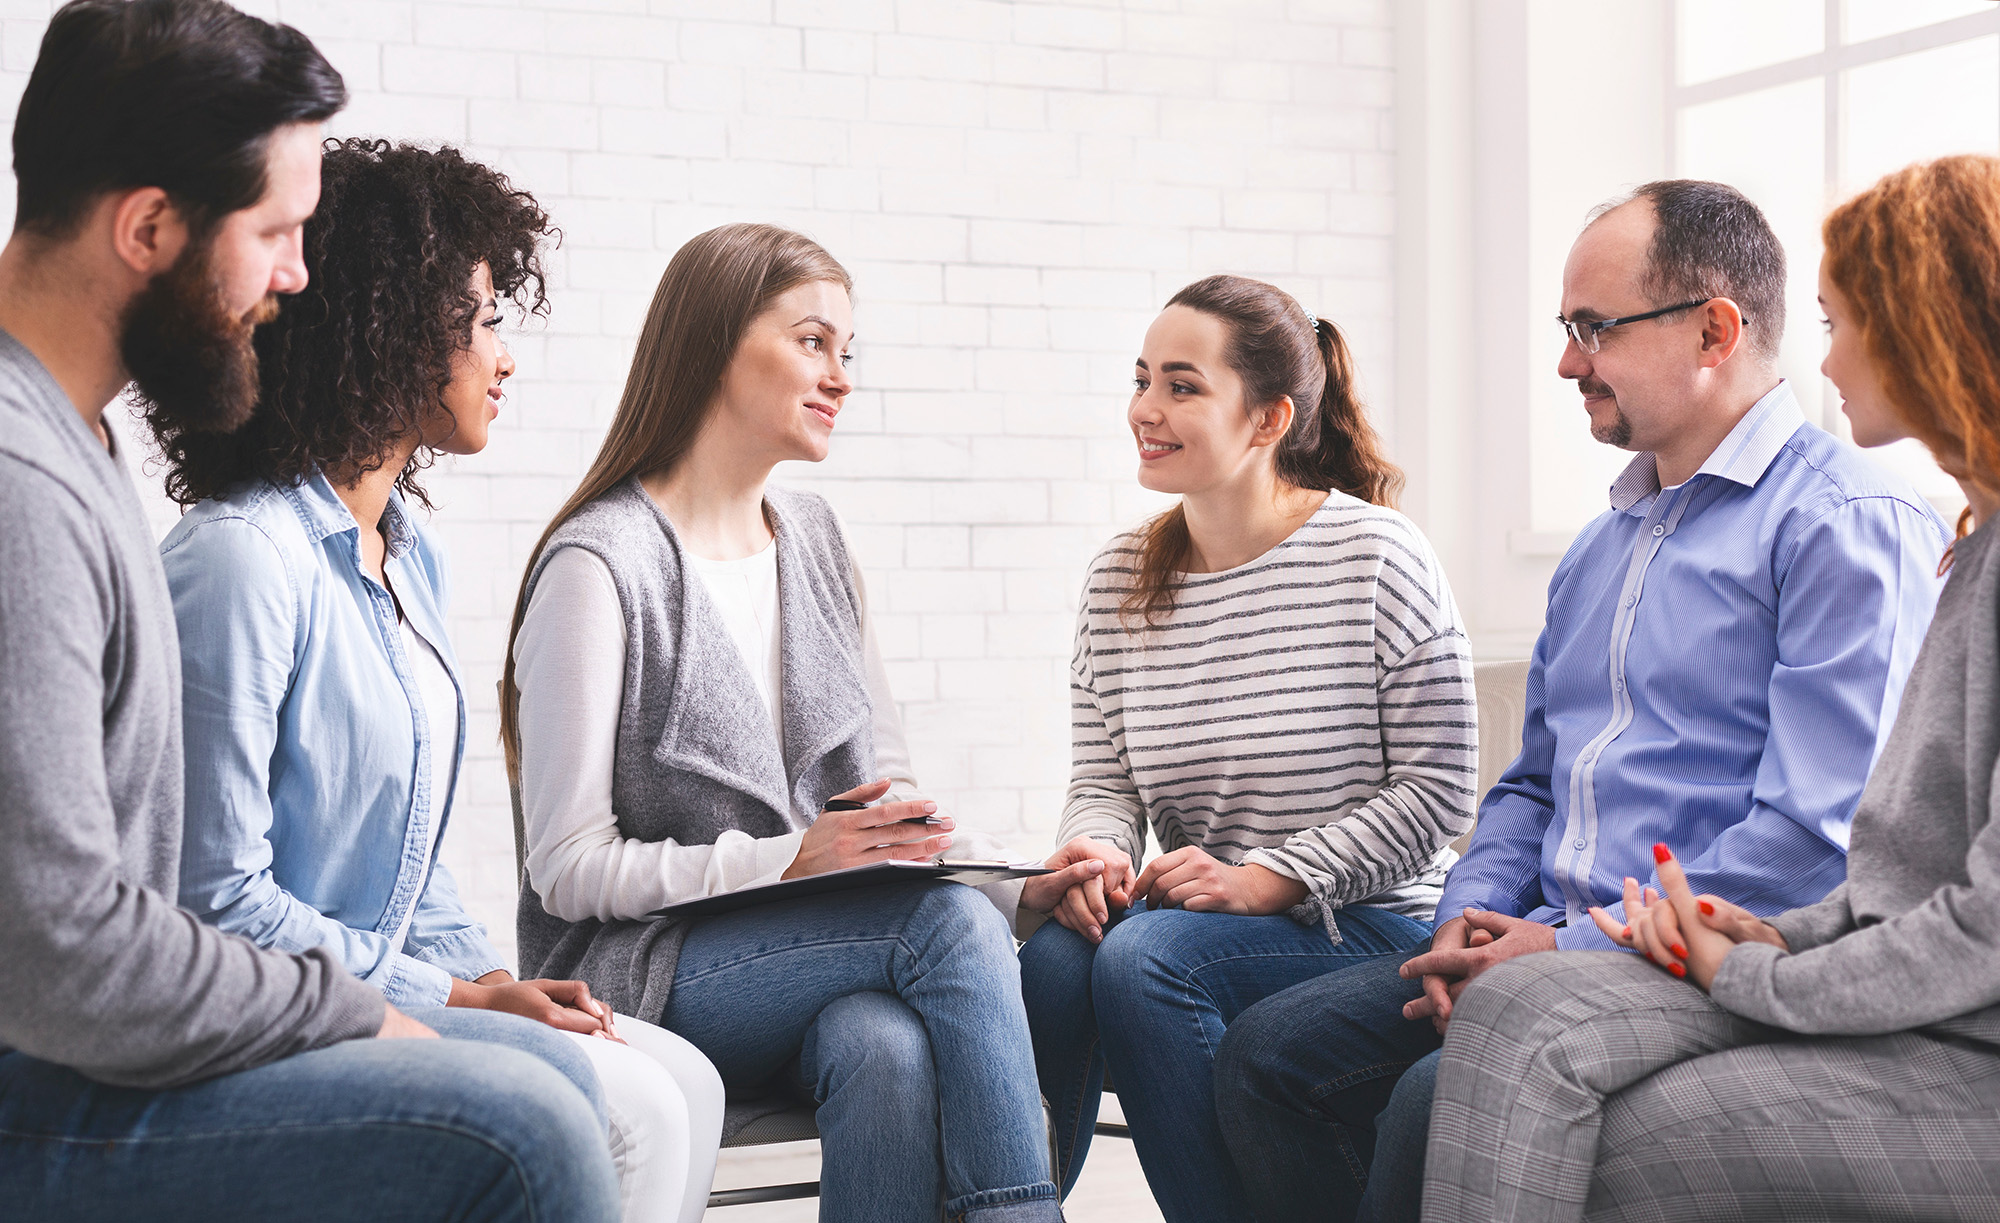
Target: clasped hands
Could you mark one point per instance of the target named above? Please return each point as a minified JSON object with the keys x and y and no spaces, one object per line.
{"x":1091,"y":878}
{"x":1686,"y":934}
{"x":564,"y":1005}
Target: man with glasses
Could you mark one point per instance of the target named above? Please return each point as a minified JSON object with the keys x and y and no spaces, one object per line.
{"x":1724,"y":651}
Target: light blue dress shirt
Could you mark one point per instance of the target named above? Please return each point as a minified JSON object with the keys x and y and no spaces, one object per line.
{"x":309,"y":797}
{"x":1720,"y":665}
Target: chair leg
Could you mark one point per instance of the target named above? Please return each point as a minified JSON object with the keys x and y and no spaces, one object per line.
{"x":763,"y":1193}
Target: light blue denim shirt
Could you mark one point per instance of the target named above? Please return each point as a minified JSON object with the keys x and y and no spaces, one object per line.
{"x":309,"y":801}
{"x":1721,"y":663}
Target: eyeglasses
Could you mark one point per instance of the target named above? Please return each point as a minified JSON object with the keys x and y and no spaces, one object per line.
{"x":1584,"y":332}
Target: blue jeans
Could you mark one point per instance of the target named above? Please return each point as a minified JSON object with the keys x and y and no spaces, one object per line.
{"x":359,"y":1131}
{"x":897,"y":1009}
{"x":1324,"y":1092}
{"x":1151,"y":1004}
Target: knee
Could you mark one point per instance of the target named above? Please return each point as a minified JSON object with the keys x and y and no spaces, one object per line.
{"x":1144,"y":948}
{"x":1248,"y":1062}
{"x":534,"y":1117}
{"x":874,"y":1040}
{"x":1055,"y":961}
{"x":966,"y":922}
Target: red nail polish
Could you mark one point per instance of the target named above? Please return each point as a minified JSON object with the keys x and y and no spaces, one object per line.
{"x":1705,"y":907}
{"x":1677,"y":970}
{"x":1679,"y":951}
{"x":1628,"y":932}
{"x":1660,"y":851}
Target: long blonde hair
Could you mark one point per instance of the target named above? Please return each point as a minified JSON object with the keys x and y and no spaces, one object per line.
{"x":712,"y":289}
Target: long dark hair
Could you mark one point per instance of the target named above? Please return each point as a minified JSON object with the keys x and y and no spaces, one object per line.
{"x":359,"y":359}
{"x":713,"y":288}
{"x":1279,"y":349}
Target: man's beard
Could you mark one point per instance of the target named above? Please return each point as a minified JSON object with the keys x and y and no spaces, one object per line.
{"x":192,"y":363}
{"x":1619,"y":432}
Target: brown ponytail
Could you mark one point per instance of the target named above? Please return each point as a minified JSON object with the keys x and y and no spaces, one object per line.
{"x":1278,"y":349}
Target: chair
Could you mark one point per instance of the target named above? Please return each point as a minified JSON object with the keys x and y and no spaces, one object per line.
{"x":745,"y":1123}
{"x":1501,"y":689}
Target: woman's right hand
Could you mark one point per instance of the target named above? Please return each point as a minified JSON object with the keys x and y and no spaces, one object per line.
{"x":1082,"y":902}
{"x":840,"y":839}
{"x":396,"y":1025}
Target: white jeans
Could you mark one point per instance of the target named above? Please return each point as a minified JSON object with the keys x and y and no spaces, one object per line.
{"x":665,"y":1101}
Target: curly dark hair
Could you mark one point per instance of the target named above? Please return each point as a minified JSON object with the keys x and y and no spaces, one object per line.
{"x":360,"y":358}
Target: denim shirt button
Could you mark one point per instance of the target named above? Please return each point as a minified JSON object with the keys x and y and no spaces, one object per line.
{"x":1579,"y":842}
{"x":1659,"y":531}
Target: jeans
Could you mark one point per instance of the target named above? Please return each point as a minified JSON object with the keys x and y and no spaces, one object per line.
{"x":1324,"y":1092}
{"x":1151,"y":1004}
{"x":359,"y":1131}
{"x":897,"y":1009}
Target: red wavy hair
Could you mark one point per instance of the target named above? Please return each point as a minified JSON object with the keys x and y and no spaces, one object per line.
{"x":1917,"y":256}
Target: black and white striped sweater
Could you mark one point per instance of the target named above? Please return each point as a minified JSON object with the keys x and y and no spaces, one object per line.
{"x":1311,"y":711}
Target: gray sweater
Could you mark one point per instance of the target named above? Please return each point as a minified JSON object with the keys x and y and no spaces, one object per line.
{"x":1912,"y":939}
{"x":99,"y":969}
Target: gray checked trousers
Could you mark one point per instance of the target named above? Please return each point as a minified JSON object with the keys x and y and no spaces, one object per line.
{"x":1591,"y":1085}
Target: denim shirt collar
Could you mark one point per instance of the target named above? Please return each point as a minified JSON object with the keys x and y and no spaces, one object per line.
{"x":1742,"y":458}
{"x":325,"y":514}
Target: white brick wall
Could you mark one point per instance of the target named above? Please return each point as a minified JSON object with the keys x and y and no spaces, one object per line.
{"x":1016,"y":186}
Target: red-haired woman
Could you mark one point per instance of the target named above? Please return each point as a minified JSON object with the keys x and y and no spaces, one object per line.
{"x":1272,"y":676}
{"x":1840,"y":1060}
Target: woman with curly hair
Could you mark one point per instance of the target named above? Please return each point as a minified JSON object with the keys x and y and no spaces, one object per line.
{"x":1272,"y":677}
{"x":1841,"y":1060}
{"x":325,"y":719}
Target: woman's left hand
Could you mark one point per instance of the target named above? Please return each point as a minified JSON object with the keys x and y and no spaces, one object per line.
{"x":1670,"y":930}
{"x":1190,"y":878}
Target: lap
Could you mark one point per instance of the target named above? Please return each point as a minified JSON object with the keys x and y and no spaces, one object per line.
{"x":1338,"y":1030}
{"x":749,"y":984}
{"x":267,"y":1141}
{"x":1901,"y":1126}
{"x":1237,"y":961}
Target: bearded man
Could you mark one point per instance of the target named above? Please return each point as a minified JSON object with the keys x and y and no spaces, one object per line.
{"x":151,"y":1066}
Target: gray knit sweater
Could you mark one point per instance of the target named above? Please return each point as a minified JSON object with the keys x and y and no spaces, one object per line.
{"x":99,"y":969}
{"x":1912,"y":939}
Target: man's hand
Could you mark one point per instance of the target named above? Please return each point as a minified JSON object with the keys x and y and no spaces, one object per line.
{"x":1463,"y":948}
{"x":1090,"y":877}
{"x":840,"y":839}
{"x":398,"y":1026}
{"x":1189,"y":878}
{"x":566,"y":1005}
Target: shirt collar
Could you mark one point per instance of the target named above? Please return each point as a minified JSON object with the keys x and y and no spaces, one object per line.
{"x":1743,"y":457}
{"x":325,"y":514}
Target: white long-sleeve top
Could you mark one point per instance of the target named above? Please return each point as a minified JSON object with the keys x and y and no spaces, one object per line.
{"x":569,"y":665}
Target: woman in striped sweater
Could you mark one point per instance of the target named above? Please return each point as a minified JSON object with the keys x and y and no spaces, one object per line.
{"x":1273,"y":677}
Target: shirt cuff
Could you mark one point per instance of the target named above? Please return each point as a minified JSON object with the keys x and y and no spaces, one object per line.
{"x":1584,"y":937}
{"x":414,"y":983}
{"x":463,"y":953}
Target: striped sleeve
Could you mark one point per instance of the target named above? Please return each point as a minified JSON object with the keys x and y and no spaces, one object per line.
{"x":1429,"y":730}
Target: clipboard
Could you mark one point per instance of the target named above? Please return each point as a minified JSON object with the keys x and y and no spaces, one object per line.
{"x":875,"y":873}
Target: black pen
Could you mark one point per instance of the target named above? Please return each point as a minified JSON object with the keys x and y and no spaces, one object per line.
{"x":848,"y":804}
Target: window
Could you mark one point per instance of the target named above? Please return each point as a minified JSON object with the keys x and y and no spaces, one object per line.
{"x":1801,"y":103}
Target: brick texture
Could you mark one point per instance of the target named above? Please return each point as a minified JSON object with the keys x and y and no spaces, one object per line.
{"x":1017,"y":188}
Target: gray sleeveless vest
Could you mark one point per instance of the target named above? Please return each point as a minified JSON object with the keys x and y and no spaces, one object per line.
{"x":695,"y":755}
